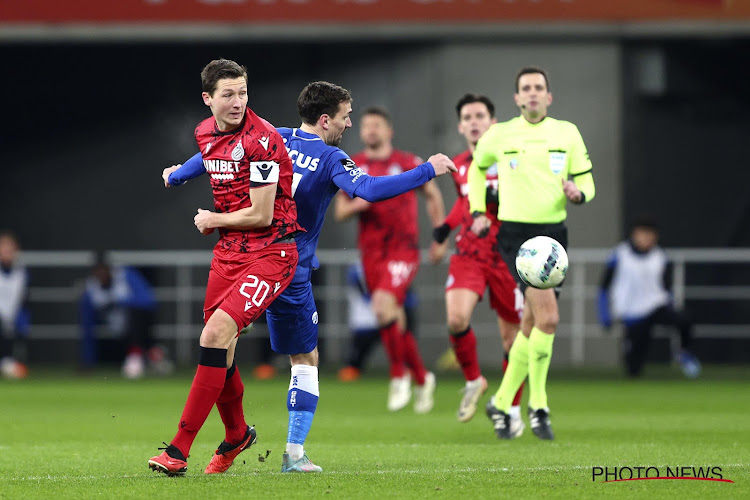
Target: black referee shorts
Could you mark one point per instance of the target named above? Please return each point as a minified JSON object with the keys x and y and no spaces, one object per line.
{"x":513,"y":234}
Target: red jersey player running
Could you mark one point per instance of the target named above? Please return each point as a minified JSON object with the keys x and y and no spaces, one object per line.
{"x":389,"y":245}
{"x":254,"y":259}
{"x":476,"y":265}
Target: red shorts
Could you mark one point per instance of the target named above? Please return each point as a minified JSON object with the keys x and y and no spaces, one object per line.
{"x":391,"y":273}
{"x":244,"y":285}
{"x":505,"y":297}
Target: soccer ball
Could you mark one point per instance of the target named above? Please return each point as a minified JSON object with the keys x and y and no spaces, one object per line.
{"x":542,"y":262}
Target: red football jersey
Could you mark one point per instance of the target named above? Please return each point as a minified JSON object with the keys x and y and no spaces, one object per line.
{"x":389,"y":224}
{"x":237,"y":161}
{"x":468,"y":243}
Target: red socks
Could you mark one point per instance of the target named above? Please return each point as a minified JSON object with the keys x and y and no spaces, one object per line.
{"x":413,"y":358}
{"x":205,"y":390}
{"x":465,"y":347}
{"x":230,"y":408}
{"x":393,"y":343}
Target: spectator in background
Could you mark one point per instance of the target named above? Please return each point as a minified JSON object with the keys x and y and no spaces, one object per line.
{"x":121,"y":298}
{"x":636,"y":288}
{"x":363,"y":325}
{"x":14,"y":317}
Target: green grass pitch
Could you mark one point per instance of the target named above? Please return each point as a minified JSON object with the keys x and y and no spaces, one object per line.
{"x":63,"y":436}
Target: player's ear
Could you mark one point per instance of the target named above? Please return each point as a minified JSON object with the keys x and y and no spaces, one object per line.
{"x":549,"y":98}
{"x":324,"y":121}
{"x":206,"y":98}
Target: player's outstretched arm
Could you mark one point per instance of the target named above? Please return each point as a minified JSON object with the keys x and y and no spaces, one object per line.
{"x":260,"y":214}
{"x":384,"y":187}
{"x":176,"y":175}
{"x":441,"y":164}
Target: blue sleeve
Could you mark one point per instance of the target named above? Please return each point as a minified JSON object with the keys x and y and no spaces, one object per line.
{"x":142,"y":296}
{"x":189,"y":170}
{"x":602,"y":300}
{"x":355,"y":182}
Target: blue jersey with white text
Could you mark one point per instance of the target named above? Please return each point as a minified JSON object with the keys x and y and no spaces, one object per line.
{"x":319,"y":171}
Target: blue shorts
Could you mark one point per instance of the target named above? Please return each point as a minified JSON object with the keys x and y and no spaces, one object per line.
{"x":293,"y":320}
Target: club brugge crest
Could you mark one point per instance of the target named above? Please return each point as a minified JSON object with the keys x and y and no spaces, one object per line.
{"x":238,"y":152}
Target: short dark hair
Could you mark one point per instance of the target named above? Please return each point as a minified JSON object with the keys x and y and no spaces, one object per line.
{"x":7,"y":233}
{"x":529,"y":70}
{"x":645,"y":221}
{"x":471,"y":98}
{"x":219,"y":69}
{"x":378,"y":111}
{"x":320,"y":98}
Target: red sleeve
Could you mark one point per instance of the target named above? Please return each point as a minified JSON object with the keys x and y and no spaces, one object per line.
{"x":456,"y":215}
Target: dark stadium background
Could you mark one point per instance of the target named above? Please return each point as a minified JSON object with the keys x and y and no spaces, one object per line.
{"x":87,"y":128}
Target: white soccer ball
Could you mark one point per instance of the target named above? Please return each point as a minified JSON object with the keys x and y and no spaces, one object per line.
{"x":542,"y":262}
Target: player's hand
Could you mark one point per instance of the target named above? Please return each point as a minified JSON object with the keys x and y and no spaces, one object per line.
{"x":165,"y":174}
{"x":202,"y":221}
{"x":438,"y":251}
{"x":442,"y":164}
{"x":481,"y":225}
{"x":571,"y":191}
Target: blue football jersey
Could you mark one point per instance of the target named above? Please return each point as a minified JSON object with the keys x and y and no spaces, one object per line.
{"x":319,"y":171}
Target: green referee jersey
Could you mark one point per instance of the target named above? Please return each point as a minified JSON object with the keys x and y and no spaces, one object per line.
{"x":532,"y":160}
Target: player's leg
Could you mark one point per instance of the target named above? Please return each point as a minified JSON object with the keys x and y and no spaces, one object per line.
{"x":689,"y":363}
{"x":360,"y":345}
{"x":260,"y":283}
{"x":302,"y":401}
{"x":385,"y":307}
{"x":207,"y":385}
{"x":499,"y":405}
{"x":133,"y":365}
{"x":460,"y":304}
{"x":235,"y":296}
{"x":402,"y":269}
{"x":238,"y":435}
{"x":543,"y":303}
{"x":424,"y":389}
{"x":412,"y":358}
{"x":506,"y":299}
{"x":508,"y":332}
{"x":293,"y":327}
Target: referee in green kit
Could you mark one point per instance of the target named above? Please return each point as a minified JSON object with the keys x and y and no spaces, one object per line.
{"x":542,"y":163}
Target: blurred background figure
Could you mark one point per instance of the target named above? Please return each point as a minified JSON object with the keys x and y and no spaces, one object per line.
{"x":14,"y":316}
{"x":636,"y":289}
{"x":388,"y":241}
{"x":363,"y":325}
{"x":121,"y":299}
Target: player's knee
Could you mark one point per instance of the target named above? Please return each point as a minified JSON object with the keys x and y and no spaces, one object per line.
{"x":458,"y":321}
{"x":547,"y":322}
{"x":218,"y":334}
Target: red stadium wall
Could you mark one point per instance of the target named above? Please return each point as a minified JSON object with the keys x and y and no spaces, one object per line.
{"x":304,"y":11}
